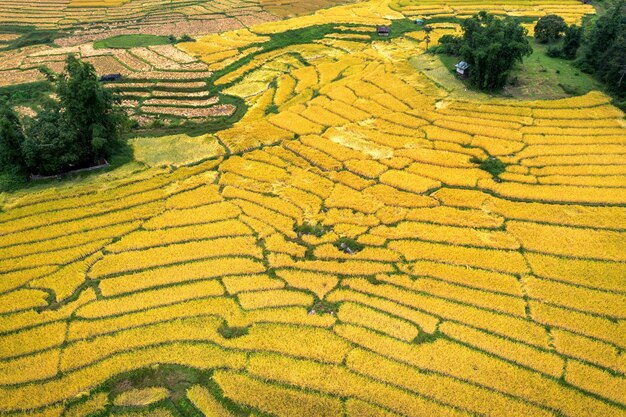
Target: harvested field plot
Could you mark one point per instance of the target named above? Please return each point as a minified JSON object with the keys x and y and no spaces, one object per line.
{"x":158,"y":82}
{"x":344,"y":249}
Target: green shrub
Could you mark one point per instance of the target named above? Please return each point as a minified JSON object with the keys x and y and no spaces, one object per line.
{"x":348,"y":245}
{"x":309,"y":229}
{"x":492,"y":165}
{"x":554,"y":52}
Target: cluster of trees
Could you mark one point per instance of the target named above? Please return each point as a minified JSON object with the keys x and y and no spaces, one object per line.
{"x":600,"y":45}
{"x":77,"y":130}
{"x":551,"y":28}
{"x":491,"y":46}
{"x":603,"y":50}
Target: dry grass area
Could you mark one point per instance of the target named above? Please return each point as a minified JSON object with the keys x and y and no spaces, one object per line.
{"x":345,"y":254}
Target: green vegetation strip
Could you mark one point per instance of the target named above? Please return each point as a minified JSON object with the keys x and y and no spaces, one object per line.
{"x":131,"y":41}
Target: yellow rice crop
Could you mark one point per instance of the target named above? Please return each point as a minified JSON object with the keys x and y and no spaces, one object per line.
{"x":472,"y":295}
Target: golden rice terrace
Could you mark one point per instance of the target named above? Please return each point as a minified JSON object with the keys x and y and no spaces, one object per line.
{"x":343,"y":249}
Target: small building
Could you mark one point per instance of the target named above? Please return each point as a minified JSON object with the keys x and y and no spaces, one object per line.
{"x":462,"y":68}
{"x":419,"y":22}
{"x":111,"y":77}
{"x":383,"y":30}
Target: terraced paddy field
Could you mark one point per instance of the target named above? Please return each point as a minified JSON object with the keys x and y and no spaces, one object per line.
{"x":338,"y":251}
{"x":88,"y":20}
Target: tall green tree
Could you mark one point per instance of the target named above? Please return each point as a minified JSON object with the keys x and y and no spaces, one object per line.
{"x":78,"y":130}
{"x":492,"y":46}
{"x":47,"y":149}
{"x":602,"y":33}
{"x":549,"y":28}
{"x":604,"y":48}
{"x":572,"y":41}
{"x":88,"y":112}
{"x":11,"y":139}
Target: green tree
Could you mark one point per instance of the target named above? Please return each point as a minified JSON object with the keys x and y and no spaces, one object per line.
{"x":47,"y":149}
{"x":449,"y":44}
{"x":88,"y":111}
{"x":11,"y":139}
{"x":604,"y":48}
{"x":549,"y":28}
{"x":571,"y":42}
{"x":492,"y":46}
{"x":78,"y":130}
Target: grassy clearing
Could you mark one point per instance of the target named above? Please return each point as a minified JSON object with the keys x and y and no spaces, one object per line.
{"x":538,"y":77}
{"x":175,"y":149}
{"x":543,"y":77}
{"x":131,"y":41}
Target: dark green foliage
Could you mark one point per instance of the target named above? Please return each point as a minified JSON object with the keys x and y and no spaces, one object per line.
{"x":228,"y":332}
{"x":549,"y":28}
{"x":553,"y":51}
{"x":348,"y":245}
{"x":604,"y":49}
{"x":11,"y":138}
{"x":185,"y":38}
{"x":79,"y":130}
{"x":309,"y":229}
{"x":46,"y":148}
{"x":271,"y":109}
{"x":449,"y":44}
{"x":492,"y":165}
{"x":492,"y":46}
{"x":29,"y":93}
{"x":571,"y":42}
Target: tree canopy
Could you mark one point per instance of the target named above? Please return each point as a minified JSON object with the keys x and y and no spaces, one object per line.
{"x":76,"y":131}
{"x":572,"y":40}
{"x":492,"y":46}
{"x":11,"y":138}
{"x":604,"y":49}
{"x":549,"y":28}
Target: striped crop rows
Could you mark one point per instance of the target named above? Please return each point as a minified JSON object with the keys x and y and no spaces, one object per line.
{"x":470,"y":295}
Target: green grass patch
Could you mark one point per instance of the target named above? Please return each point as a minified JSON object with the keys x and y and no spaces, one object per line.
{"x":228,"y":332}
{"x":175,"y":150}
{"x":543,"y":77}
{"x":131,"y":41}
{"x":424,"y":337}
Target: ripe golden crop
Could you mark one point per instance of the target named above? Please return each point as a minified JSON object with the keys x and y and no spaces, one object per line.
{"x":475,"y":293}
